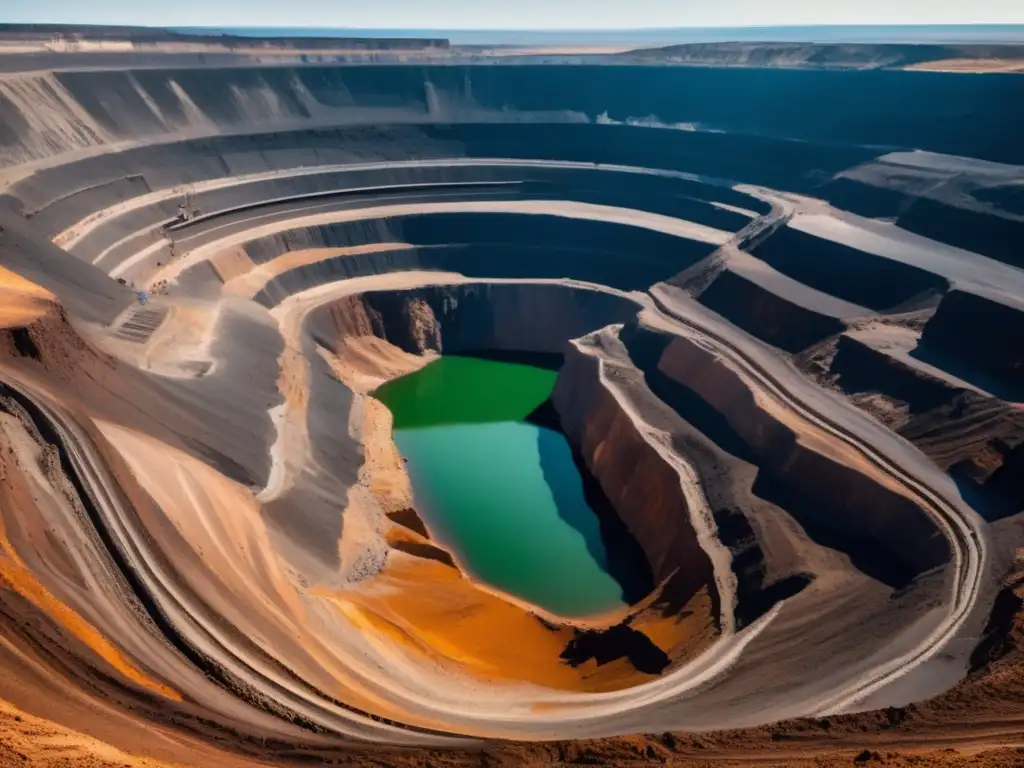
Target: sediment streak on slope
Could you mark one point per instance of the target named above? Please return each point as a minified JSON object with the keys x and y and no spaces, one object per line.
{"x":959,"y":523}
{"x":215,"y":651}
{"x":768,"y":377}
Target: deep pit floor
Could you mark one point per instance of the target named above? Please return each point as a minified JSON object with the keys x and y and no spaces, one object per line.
{"x":504,"y":494}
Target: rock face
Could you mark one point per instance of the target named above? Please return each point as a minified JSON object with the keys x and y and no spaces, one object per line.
{"x":502,"y":245}
{"x":83,"y":289}
{"x":645,"y":489}
{"x":768,"y":316}
{"x":845,"y":272}
{"x":798,"y":412}
{"x":951,"y":339}
{"x":863,"y":518}
{"x":108,"y":106}
{"x":480,"y":317}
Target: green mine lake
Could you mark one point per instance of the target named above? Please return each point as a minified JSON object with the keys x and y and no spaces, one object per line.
{"x":504,"y":494}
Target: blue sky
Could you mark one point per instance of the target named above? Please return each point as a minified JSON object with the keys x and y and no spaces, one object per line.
{"x":510,"y":14}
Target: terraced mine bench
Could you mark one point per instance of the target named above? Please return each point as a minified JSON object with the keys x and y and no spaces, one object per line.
{"x":766,"y":320}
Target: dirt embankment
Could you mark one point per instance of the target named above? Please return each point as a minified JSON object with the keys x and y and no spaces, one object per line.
{"x":658,"y":500}
{"x":950,"y":341}
{"x":86,"y":292}
{"x":801,"y":471}
{"x":975,"y":436}
{"x":361,"y":355}
{"x":773,"y":318}
{"x":646,"y":491}
{"x":420,"y":599}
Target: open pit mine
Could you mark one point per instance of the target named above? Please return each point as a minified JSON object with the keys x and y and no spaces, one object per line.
{"x":458,"y":415}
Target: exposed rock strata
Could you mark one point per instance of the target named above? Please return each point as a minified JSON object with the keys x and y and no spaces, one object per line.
{"x":644,"y":488}
{"x":804,"y":478}
{"x":248,"y":543}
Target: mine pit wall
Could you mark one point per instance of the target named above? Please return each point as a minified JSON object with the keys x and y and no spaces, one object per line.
{"x":122,"y":234}
{"x":83,"y":290}
{"x":644,"y":489}
{"x":974,"y":225}
{"x":861,"y":368}
{"x":998,"y":237}
{"x":979,"y":340}
{"x":57,"y":193}
{"x":855,"y":276}
{"x":512,"y":317}
{"x":529,"y":318}
{"x":474,"y":317}
{"x":47,"y":114}
{"x":766,"y":315}
{"x":838,"y":505}
{"x":950,"y":423}
{"x":1001,"y":493}
{"x":306,"y":163}
{"x":518,"y":246}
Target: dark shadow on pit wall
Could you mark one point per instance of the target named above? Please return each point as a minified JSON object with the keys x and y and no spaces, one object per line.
{"x":754,"y":597}
{"x":549,"y":361}
{"x":1002,"y":494}
{"x":646,"y":350}
{"x":621,"y":641}
{"x":625,"y":561}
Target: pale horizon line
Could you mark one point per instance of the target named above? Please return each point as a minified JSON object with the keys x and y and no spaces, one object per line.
{"x":654,"y":28}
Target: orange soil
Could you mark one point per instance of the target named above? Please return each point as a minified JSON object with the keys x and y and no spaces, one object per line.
{"x":430,"y":607}
{"x":29,"y":740}
{"x":21,"y":302}
{"x":238,"y":567}
{"x":18,"y":494}
{"x":14,"y":576}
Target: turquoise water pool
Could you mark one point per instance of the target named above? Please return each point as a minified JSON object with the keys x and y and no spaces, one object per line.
{"x":503,"y":494}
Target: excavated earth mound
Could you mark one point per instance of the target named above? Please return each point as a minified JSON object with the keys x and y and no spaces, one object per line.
{"x":786,"y":309}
